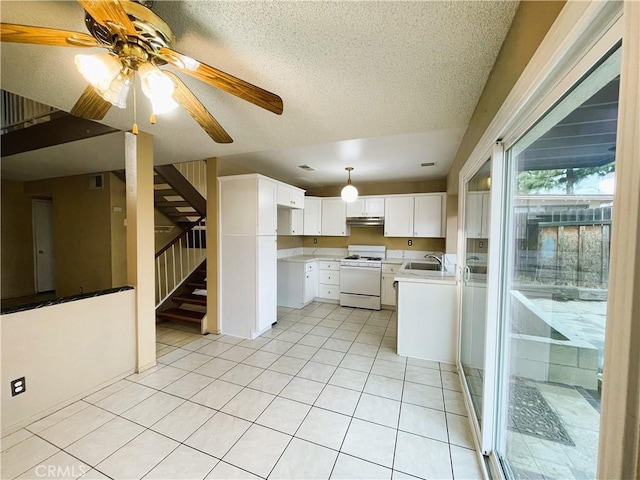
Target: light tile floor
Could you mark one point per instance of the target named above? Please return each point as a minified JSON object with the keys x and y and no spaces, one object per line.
{"x":321,"y":395}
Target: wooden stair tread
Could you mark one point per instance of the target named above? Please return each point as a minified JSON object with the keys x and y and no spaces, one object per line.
{"x":190,"y":298}
{"x":197,"y":284}
{"x":176,"y":203}
{"x":181,"y":314}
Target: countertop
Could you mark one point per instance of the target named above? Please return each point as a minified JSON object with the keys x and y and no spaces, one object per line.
{"x":309,"y":258}
{"x":426,"y":276}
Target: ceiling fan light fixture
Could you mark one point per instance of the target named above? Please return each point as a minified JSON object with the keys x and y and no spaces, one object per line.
{"x":156,"y":85}
{"x":163,"y":105}
{"x":117,"y":92}
{"x":349,"y":193}
{"x":98,"y":69}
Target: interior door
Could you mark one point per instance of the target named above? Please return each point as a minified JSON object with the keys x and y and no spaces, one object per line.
{"x":43,"y":244}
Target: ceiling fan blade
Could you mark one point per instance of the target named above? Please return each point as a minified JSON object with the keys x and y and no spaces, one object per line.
{"x":200,"y":114}
{"x":90,"y":105}
{"x":11,"y":32}
{"x":223,"y":81}
{"x":109,"y":13}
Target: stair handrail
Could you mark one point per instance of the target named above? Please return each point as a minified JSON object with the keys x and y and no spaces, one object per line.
{"x":171,"y":273}
{"x":180,"y":234}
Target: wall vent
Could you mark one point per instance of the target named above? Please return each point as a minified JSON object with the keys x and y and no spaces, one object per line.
{"x":96,"y":181}
{"x":306,"y":167}
{"x":428,"y":164}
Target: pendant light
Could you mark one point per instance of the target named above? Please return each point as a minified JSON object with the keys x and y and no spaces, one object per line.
{"x":349,"y":192}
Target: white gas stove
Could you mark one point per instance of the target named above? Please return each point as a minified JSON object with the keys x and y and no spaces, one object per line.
{"x":360,"y":276}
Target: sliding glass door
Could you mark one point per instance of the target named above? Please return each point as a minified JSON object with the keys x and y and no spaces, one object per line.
{"x":559,"y":191}
{"x":474,"y":285}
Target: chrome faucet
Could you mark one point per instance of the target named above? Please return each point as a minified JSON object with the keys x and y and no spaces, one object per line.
{"x":440,"y":261}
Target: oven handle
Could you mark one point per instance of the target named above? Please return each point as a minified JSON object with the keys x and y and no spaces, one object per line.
{"x":367,"y":269}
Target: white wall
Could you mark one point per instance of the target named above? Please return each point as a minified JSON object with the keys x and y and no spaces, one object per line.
{"x":65,"y":351}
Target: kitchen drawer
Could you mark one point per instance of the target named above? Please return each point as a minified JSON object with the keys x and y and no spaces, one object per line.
{"x":391,"y":267}
{"x":329,"y":265}
{"x":329,"y":277}
{"x":331,"y":292}
{"x":309,"y":266}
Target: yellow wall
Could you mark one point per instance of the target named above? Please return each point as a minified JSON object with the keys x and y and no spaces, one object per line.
{"x":374,"y":236}
{"x":288,"y":241}
{"x":82,"y":235}
{"x":16,"y":263}
{"x":383,"y":188}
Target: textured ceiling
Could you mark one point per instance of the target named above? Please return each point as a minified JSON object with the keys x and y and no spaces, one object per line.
{"x":400,"y":78}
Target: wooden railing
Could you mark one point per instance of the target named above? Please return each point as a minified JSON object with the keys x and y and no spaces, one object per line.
{"x":179,"y":259}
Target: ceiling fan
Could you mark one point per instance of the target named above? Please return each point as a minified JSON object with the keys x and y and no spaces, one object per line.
{"x":137,"y":40}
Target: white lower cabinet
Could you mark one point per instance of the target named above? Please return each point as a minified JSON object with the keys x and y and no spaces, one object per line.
{"x":387,"y":292}
{"x":297,"y":283}
{"x":427,"y":315}
{"x":329,"y":281}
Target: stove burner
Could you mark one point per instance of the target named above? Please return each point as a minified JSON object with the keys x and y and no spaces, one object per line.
{"x":352,"y":257}
{"x":373,"y":259}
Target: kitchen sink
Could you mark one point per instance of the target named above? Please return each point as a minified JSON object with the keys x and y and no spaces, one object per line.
{"x":422,"y":266}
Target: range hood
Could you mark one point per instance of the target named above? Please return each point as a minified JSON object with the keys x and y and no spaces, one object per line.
{"x":365,"y":221}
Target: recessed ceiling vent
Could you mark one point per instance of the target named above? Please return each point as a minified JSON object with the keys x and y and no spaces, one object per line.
{"x":306,"y":167}
{"x":428,"y":164}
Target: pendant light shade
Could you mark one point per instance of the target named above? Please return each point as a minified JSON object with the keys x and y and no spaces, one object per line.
{"x":349,"y":192}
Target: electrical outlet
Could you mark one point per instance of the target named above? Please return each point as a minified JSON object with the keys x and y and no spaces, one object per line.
{"x":81,"y":290}
{"x":410,"y":242}
{"x":18,"y":386}
{"x":481,"y":244}
{"x":315,"y":240}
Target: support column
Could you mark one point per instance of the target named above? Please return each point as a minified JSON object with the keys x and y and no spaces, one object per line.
{"x":141,"y":243}
{"x":212,"y":324}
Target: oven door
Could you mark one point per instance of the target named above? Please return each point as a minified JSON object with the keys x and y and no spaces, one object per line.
{"x":360,"y":280}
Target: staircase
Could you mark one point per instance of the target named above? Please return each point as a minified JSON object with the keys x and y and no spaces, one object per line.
{"x":190,"y":299}
{"x":181,"y":271}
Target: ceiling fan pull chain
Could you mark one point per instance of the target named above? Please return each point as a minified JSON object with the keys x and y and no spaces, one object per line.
{"x":134,"y":130}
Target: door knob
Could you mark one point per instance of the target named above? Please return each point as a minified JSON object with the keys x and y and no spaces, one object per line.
{"x":40,"y":251}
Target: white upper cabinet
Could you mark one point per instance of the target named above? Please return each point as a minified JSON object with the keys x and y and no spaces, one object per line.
{"x":429,"y":215}
{"x":334,"y":217}
{"x":398,"y":216}
{"x":421,"y":215}
{"x":290,"y":221}
{"x":477,"y":215}
{"x":312,"y":216}
{"x":366,"y":207}
{"x":290,"y":197}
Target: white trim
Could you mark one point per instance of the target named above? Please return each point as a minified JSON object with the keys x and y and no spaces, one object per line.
{"x":618,"y":455}
{"x":494,"y":261}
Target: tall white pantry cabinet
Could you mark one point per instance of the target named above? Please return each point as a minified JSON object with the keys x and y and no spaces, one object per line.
{"x":248,"y":254}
